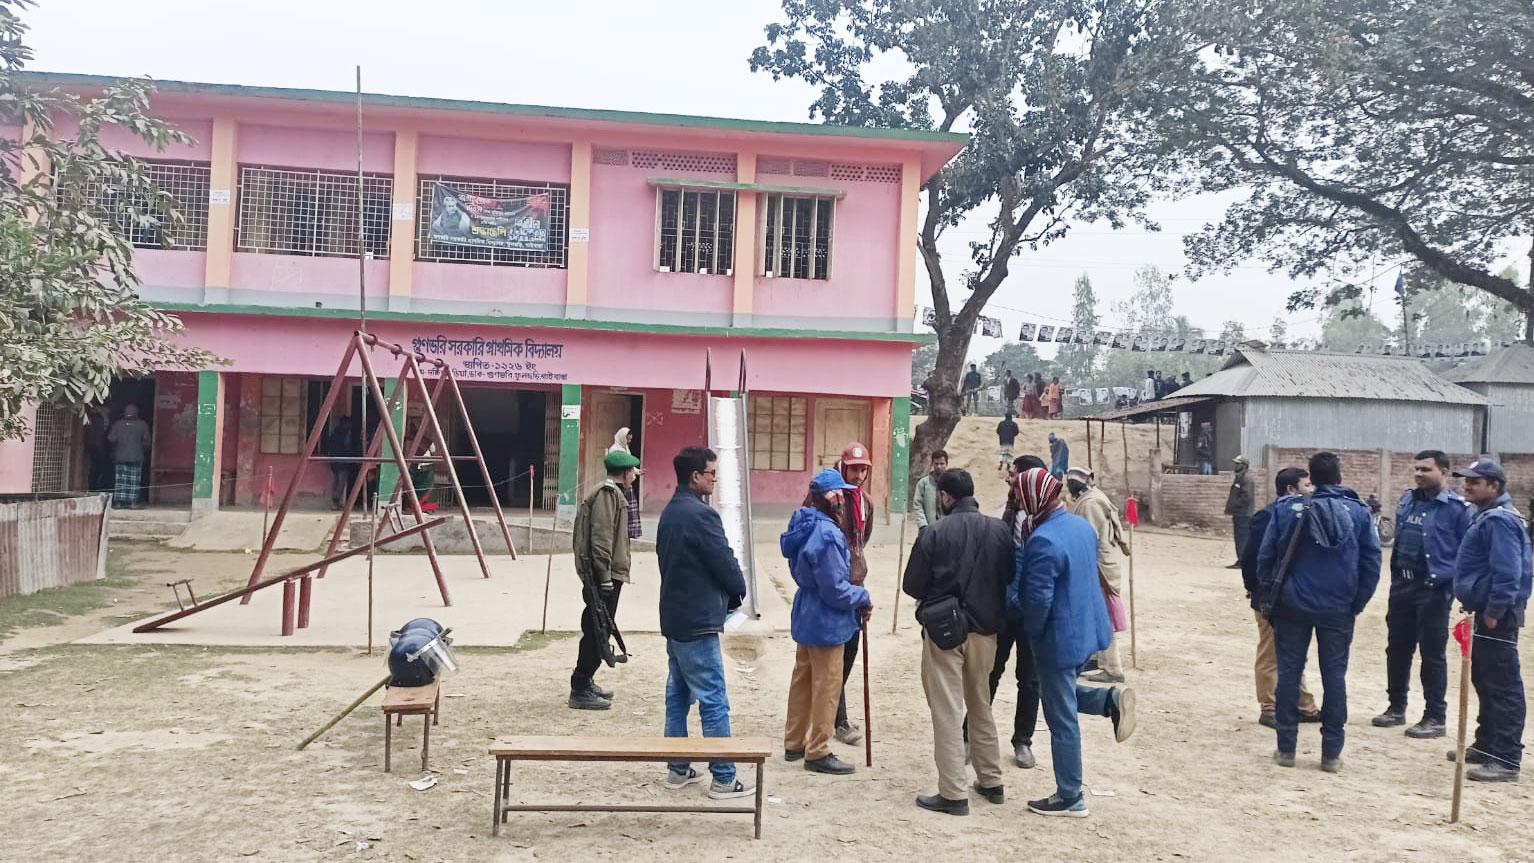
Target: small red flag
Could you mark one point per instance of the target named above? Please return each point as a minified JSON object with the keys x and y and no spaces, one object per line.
{"x":1132,"y":511}
{"x":1462,"y":635}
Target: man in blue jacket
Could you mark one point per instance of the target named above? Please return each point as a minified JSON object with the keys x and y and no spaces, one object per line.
{"x":1430,"y":523}
{"x":1056,"y":592}
{"x":1493,"y":579}
{"x":1288,"y":482}
{"x":1317,"y":584}
{"x":700,"y":583}
{"x":828,"y":610}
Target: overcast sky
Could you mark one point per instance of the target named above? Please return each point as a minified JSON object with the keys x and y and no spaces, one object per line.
{"x":682,"y":56}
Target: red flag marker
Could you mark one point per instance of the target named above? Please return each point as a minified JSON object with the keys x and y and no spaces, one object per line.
{"x":1462,"y":636}
{"x":1132,"y":511}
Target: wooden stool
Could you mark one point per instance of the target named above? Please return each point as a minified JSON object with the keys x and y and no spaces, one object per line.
{"x":402,"y":701}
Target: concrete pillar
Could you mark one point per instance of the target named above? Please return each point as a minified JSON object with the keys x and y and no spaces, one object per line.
{"x":905,"y":246}
{"x":900,"y":455}
{"x":208,"y":461}
{"x":402,"y":221}
{"x":745,"y":243}
{"x":388,"y":474}
{"x":569,"y":454}
{"x":1385,"y":492}
{"x":577,"y":266}
{"x":1156,"y":516}
{"x":223,"y":178}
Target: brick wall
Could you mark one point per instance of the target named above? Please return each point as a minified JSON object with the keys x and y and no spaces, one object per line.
{"x":1200,"y":500}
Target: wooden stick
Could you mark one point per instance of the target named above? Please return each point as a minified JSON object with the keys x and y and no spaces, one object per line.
{"x":548,"y":571}
{"x":345,"y":713}
{"x":899,"y":574}
{"x":868,"y":728}
{"x":1134,"y":649}
{"x":1464,"y":711}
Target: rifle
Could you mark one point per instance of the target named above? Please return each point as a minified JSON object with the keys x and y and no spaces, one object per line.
{"x":607,"y":630}
{"x":1270,"y":596}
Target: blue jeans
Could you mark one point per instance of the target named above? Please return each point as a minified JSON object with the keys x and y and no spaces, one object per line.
{"x":1205,"y":468}
{"x":1291,"y":641}
{"x":1063,"y":698}
{"x":696,"y":673}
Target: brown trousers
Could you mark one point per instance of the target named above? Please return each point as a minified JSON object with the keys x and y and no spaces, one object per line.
{"x":812,"y":695}
{"x":1266,"y":671}
{"x":958,"y":681}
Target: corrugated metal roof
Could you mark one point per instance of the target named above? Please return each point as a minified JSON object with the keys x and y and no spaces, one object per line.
{"x":1319,"y":375}
{"x":1166,"y":405}
{"x":1509,"y":365}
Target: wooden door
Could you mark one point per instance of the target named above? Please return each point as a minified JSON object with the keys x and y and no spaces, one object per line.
{"x":839,"y":422}
{"x":605,"y":414}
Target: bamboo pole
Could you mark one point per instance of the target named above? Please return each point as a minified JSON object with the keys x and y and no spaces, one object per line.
{"x":899,"y":574}
{"x":1464,"y":711}
{"x":345,"y":713}
{"x":1134,"y":648}
{"x":548,"y":572}
{"x":868,"y":728}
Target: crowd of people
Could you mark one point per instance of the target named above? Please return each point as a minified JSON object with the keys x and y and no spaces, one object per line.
{"x":1040,"y":587}
{"x":1310,"y":563}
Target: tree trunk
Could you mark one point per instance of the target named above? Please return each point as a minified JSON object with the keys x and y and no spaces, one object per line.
{"x":944,"y":406}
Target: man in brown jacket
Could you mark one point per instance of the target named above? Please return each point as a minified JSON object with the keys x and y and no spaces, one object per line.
{"x":1092,"y":504}
{"x":601,"y":542}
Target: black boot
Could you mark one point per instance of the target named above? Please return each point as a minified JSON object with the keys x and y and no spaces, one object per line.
{"x":935,"y":803}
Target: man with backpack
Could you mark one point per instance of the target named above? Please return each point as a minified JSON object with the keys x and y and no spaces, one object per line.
{"x":1318,"y":568}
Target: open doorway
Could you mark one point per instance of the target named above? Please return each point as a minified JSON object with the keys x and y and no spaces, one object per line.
{"x":124,"y":392}
{"x":607,"y":413}
{"x":510,"y":428}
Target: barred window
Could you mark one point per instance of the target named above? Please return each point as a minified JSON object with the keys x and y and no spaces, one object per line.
{"x":796,"y":237}
{"x":282,"y":415}
{"x":695,"y":231}
{"x":554,"y":200}
{"x":292,"y":212}
{"x":778,"y":432}
{"x":142,"y":223}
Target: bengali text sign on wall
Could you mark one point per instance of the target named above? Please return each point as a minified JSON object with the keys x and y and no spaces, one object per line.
{"x":523,"y":360}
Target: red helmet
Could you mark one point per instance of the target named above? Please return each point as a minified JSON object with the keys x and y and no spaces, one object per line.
{"x":856,"y":453}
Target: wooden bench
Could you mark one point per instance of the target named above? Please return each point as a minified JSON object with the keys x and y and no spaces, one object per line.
{"x":746,"y":750}
{"x":402,"y":701}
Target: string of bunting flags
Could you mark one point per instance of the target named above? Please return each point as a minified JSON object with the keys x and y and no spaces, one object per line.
{"x":1160,"y":342}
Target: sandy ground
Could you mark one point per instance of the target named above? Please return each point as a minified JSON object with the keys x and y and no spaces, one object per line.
{"x":187,"y":753}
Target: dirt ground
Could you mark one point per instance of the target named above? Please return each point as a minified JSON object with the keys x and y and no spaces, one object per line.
{"x":188,"y":754}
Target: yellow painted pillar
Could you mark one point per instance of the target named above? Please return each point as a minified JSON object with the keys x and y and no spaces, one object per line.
{"x":745,"y":242}
{"x":910,"y":201}
{"x":403,"y":220}
{"x":577,"y":268}
{"x":222,"y":181}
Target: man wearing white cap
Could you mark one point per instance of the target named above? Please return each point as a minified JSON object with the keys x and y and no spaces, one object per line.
{"x":1092,"y":504}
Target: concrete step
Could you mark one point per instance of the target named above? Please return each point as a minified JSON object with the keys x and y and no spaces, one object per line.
{"x":144,"y":529}
{"x":159,"y":515}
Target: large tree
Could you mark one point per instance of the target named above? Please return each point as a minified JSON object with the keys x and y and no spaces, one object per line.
{"x":69,"y":318}
{"x":1360,"y":130}
{"x":1045,"y":87}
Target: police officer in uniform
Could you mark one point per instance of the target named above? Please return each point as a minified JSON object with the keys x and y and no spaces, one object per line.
{"x":1492,"y":580}
{"x":1430,"y":523}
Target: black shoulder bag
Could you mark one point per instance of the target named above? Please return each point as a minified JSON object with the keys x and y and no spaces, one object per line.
{"x":944,"y":619}
{"x":1276,"y":583}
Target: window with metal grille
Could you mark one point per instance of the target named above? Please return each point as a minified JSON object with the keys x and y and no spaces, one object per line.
{"x":139,"y":219}
{"x":282,"y":415}
{"x":778,"y":432}
{"x":695,"y":231}
{"x":291,"y":212}
{"x":52,"y":430}
{"x":557,"y":197}
{"x":796,"y":237}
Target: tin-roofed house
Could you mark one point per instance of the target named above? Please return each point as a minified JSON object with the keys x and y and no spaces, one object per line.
{"x":1506,"y":379}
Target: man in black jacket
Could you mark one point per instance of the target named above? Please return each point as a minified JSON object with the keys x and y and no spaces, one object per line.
{"x":700,"y":583}
{"x":1288,"y":482}
{"x":967,"y":556}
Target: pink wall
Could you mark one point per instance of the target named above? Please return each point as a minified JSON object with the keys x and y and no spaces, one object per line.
{"x":623,"y":274}
{"x":864,"y":257}
{"x":173,"y":269}
{"x":312,"y":346}
{"x":479,"y":283}
{"x":496,"y":160}
{"x":16,"y":457}
{"x":175,"y":437}
{"x":117,"y":138}
{"x":322,"y":149}
{"x":308,"y":277}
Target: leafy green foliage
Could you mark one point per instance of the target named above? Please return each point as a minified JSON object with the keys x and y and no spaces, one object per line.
{"x":1359,"y":130}
{"x":69,"y":318}
{"x":1079,"y":362}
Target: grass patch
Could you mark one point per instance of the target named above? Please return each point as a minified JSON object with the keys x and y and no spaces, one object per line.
{"x":529,"y":642}
{"x":57,"y":604}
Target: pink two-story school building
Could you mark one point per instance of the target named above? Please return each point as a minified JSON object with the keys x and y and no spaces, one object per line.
{"x":608,"y":251}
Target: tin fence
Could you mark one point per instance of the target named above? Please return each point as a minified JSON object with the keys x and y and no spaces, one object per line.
{"x":51,"y":540}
